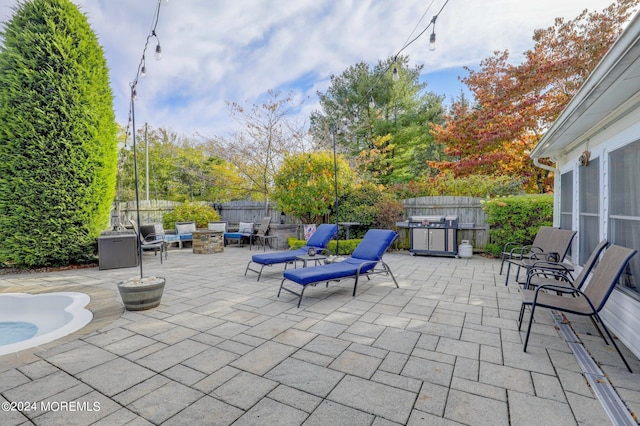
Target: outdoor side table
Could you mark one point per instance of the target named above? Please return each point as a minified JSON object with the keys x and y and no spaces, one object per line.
{"x":304,"y":258}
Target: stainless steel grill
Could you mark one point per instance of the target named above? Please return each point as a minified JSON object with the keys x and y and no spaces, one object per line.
{"x":433,"y":235}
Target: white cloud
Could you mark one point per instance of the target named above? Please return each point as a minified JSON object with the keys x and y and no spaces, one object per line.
{"x":238,"y":50}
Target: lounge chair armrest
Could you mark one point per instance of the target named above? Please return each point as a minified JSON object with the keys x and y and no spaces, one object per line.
{"x":537,"y":256}
{"x":508,"y":244}
{"x":559,"y":289}
{"x":367,"y":263}
{"x":548,"y":273}
{"x":545,"y":265}
{"x":520,"y":250}
{"x":153,"y":239}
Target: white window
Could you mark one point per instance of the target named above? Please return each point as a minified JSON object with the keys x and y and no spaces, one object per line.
{"x":589,"y":210}
{"x":624,"y":208}
{"x":566,"y":202}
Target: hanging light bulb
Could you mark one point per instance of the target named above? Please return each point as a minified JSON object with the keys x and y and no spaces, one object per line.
{"x":134,"y":94}
{"x":143,"y":70}
{"x":396,"y":75}
{"x":158,"y":54}
{"x":372,"y":102}
{"x":432,"y":38}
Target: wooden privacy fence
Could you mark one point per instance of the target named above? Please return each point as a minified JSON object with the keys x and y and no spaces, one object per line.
{"x":468,"y":209}
{"x":150,"y":211}
{"x":249,"y":211}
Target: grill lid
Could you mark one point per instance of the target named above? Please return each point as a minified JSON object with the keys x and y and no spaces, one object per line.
{"x":426,"y":219}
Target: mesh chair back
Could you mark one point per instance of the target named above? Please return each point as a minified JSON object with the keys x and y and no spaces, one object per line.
{"x":589,"y":264}
{"x":606,"y":274}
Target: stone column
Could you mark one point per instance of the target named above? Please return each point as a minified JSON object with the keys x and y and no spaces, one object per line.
{"x":283,"y":232}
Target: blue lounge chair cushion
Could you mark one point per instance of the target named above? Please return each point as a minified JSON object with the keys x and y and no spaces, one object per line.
{"x":319,"y":239}
{"x":374,"y":244}
{"x":333,"y":271}
{"x":365,"y":258}
{"x":362,"y":260}
{"x":279,"y":257}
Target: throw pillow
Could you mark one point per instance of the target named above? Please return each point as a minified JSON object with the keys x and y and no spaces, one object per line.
{"x":218,"y":226}
{"x":246,"y":228}
{"x":185,"y":228}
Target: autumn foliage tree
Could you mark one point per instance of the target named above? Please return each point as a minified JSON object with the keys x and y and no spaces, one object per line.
{"x":514,"y":104}
{"x":305,"y":185}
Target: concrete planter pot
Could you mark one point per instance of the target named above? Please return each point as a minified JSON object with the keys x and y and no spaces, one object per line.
{"x":140,"y":294}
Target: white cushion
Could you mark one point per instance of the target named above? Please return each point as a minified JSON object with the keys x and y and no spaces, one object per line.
{"x":185,"y":228}
{"x":246,"y":228}
{"x":217,"y":226}
{"x":158,"y":229}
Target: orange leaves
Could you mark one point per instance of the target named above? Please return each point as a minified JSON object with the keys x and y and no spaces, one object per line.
{"x":515,"y":104}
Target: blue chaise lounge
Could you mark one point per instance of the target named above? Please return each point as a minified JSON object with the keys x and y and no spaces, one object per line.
{"x":363,"y":261}
{"x":319,"y":240}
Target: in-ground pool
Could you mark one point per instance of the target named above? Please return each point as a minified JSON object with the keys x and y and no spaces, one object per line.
{"x":29,"y":320}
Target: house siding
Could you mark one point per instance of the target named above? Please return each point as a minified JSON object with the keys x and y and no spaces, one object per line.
{"x":622,"y":312}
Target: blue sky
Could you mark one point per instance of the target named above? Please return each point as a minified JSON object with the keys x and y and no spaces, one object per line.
{"x":216,"y":51}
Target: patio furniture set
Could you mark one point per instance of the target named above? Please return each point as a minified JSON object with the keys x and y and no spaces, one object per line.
{"x":154,"y":237}
{"x":549,"y":281}
{"x":366,"y":260}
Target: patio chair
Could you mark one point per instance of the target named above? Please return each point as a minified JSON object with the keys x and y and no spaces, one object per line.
{"x":558,"y":245}
{"x":152,"y":241}
{"x":516,"y":250}
{"x":184,"y":231}
{"x":544,"y":272}
{"x":244,"y":233}
{"x":363,"y":261}
{"x":261,"y":234}
{"x":318,"y":240}
{"x":588,"y":302}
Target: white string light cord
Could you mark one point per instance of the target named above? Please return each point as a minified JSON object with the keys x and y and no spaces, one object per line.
{"x":142,"y":65}
{"x":432,"y":41}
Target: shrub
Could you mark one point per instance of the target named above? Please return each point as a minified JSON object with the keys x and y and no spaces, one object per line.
{"x":371,"y":206}
{"x":346,"y":246}
{"x":58,"y":152}
{"x":200,"y":213}
{"x":516,"y":219}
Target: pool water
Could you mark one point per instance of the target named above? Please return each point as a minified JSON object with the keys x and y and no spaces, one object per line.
{"x":16,"y":331}
{"x":31,"y":320}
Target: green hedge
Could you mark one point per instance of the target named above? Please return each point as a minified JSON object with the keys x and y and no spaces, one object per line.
{"x":346,"y":246}
{"x":516,"y":218}
{"x":58,"y":152}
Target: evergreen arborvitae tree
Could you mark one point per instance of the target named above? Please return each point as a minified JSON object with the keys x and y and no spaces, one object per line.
{"x":58,"y":152}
